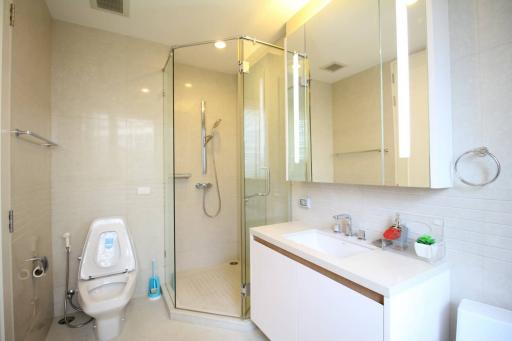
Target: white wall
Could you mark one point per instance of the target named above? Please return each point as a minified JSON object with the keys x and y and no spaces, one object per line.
{"x":110,"y":142}
{"x":478,"y":220}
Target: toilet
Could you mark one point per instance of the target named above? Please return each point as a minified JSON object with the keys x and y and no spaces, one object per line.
{"x":107,"y":273}
{"x":478,"y":321}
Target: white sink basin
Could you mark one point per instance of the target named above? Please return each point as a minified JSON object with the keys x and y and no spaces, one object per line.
{"x":323,"y":242}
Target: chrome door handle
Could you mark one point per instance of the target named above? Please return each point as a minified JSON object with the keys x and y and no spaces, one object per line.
{"x":267,"y":181}
{"x":267,"y":186}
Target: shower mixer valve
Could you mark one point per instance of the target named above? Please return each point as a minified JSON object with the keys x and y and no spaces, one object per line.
{"x":203,"y":185}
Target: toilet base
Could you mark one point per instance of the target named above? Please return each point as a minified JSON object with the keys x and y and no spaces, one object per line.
{"x":108,"y":327}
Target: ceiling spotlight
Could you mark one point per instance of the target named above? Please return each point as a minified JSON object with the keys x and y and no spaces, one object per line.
{"x":409,"y":2}
{"x":188,"y":85}
{"x":144,"y":90}
{"x":220,"y":44}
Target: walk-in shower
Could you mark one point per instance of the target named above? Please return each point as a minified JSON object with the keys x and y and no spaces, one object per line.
{"x":241,"y":84}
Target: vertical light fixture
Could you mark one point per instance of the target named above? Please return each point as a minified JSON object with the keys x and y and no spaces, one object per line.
{"x":402,"y":61}
{"x":296,"y":109}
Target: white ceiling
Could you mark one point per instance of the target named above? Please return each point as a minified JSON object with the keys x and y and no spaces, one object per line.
{"x":208,"y":57}
{"x":183,"y":21}
{"x":347,"y":32}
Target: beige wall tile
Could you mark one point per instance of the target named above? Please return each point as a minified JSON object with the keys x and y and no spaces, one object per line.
{"x":30,"y":182}
{"x":110,"y":136}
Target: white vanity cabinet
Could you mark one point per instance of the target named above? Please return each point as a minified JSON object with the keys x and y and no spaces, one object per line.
{"x":275,"y":302}
{"x":291,"y":302}
{"x":294,"y":299}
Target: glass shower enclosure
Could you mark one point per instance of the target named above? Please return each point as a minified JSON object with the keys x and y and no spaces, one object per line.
{"x":224,"y":165}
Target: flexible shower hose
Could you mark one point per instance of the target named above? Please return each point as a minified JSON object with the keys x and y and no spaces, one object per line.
{"x":70,"y":298}
{"x":216,"y":186}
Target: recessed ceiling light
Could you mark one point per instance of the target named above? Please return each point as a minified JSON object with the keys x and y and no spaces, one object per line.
{"x":409,"y":2}
{"x":220,"y":44}
{"x":144,"y":90}
{"x":188,"y":85}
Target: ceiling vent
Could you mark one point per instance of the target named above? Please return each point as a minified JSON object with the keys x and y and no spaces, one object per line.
{"x":112,"y":6}
{"x":333,"y":67}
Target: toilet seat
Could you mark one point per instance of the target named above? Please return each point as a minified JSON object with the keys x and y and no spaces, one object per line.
{"x":107,"y":293}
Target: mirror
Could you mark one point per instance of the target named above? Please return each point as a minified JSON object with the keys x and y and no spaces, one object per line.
{"x":368,"y":92}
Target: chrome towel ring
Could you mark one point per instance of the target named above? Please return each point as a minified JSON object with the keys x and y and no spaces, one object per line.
{"x":481,"y":152}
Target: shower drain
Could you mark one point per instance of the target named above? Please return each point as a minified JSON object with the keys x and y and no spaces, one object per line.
{"x":69,"y":318}
{"x":233,"y":263}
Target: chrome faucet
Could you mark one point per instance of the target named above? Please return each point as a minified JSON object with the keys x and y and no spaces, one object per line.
{"x":343,"y":220}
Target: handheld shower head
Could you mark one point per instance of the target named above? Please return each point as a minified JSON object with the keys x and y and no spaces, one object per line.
{"x":209,"y":137}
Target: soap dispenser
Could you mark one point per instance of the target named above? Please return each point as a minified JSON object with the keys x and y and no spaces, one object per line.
{"x":404,"y":231}
{"x":397,"y":234}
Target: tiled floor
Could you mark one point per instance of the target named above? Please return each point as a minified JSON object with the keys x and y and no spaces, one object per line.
{"x":214,"y":290}
{"x":148,"y":321}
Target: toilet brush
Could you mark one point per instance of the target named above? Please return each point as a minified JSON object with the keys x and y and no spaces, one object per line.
{"x":154,"y":283}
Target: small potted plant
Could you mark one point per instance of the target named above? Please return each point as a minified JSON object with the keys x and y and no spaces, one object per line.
{"x":425,"y":247}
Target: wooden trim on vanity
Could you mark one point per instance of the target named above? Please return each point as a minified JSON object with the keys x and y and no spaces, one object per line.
{"x":335,"y":277}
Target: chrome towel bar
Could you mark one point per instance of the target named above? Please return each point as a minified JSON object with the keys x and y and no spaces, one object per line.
{"x":182,"y":175}
{"x":46,"y":142}
{"x":361,"y":151}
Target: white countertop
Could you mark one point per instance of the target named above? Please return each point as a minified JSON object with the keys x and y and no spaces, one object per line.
{"x":385,"y":272}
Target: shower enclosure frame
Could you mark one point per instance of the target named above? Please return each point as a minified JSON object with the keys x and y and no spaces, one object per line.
{"x":243,"y":248}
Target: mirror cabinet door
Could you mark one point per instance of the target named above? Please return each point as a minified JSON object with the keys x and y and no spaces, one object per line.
{"x":368,"y":92}
{"x":405,"y":92}
{"x":298,"y":118}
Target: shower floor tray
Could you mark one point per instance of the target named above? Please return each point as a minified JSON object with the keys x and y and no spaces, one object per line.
{"x":214,"y":290}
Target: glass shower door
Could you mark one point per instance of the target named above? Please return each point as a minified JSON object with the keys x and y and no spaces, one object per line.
{"x":266,"y":191}
{"x":207,"y":182}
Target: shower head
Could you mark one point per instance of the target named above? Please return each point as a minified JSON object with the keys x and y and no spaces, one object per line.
{"x":207,"y":138}
{"x":217,"y":123}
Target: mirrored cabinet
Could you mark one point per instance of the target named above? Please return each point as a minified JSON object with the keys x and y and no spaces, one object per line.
{"x":369,"y":99}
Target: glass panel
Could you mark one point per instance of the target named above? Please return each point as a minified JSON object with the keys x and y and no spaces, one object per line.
{"x":267,"y":193}
{"x":207,"y":152}
{"x":170,"y":278}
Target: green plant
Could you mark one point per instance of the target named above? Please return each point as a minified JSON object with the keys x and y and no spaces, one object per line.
{"x":426,"y":239}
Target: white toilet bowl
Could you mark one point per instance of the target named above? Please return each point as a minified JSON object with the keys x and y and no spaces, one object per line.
{"x":107,"y":275}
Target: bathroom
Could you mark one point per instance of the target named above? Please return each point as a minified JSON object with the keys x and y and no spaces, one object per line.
{"x":261,"y":169}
